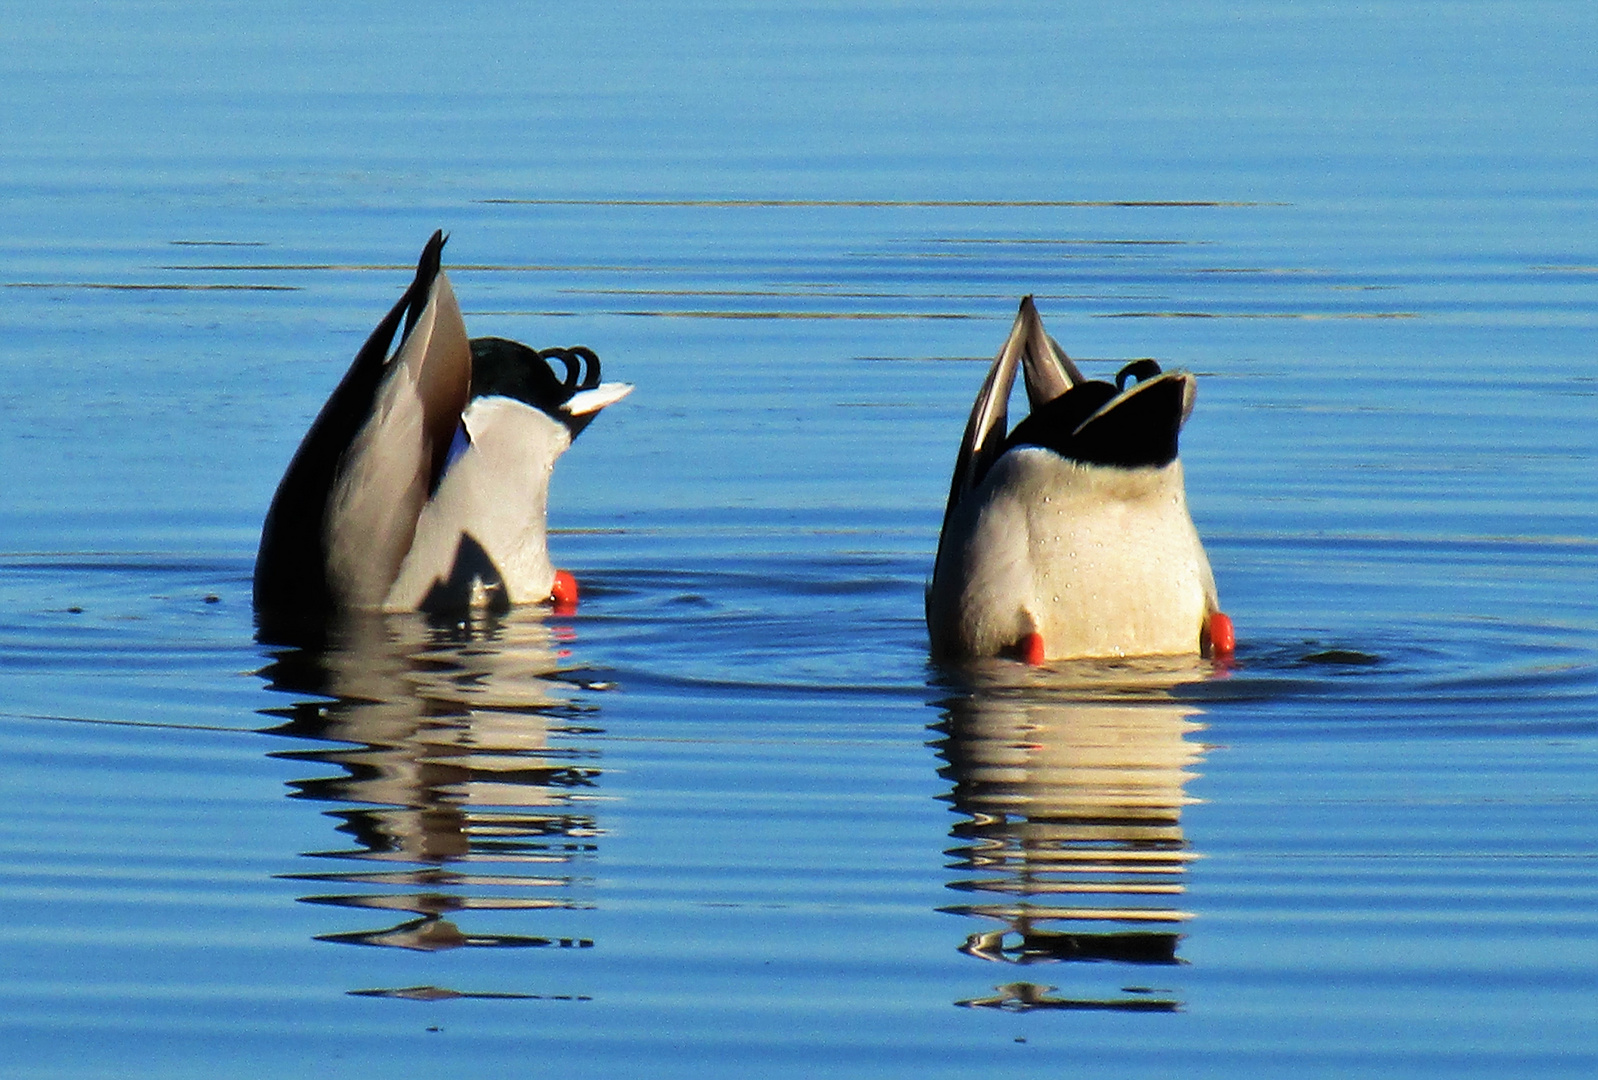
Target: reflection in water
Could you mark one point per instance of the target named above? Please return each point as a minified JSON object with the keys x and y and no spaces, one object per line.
{"x":1070,"y":786}
{"x":463,"y":790}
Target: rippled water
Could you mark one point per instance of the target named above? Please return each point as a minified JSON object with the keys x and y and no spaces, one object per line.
{"x":727,"y":819}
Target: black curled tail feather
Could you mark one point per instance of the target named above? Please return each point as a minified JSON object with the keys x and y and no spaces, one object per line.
{"x":581,"y":363}
{"x":1141,"y":370}
{"x":505,"y":368}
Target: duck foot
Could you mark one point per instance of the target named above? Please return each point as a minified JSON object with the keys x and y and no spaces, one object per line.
{"x":564,"y":594}
{"x":1220,"y":640}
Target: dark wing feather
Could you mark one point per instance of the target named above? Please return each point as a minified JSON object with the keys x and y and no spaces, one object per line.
{"x":291,"y":585}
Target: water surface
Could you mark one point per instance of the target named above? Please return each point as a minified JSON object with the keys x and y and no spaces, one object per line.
{"x":727,"y":818}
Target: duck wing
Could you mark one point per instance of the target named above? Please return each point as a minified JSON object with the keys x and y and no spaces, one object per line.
{"x":397,"y":456}
{"x":1048,"y":374}
{"x":388,"y":423}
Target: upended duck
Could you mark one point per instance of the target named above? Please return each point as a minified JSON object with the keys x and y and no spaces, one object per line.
{"x":423,"y":483}
{"x":1069,"y":536}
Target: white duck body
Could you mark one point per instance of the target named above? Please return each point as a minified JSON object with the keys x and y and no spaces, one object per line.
{"x":1099,"y":561}
{"x":1085,"y":543}
{"x":424,"y":481}
{"x":501,"y":489}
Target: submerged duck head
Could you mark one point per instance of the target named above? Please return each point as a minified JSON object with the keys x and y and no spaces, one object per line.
{"x":423,"y":482}
{"x":1069,"y":536}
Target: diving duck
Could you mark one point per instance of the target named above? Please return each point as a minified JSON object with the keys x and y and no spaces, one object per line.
{"x":423,"y":483}
{"x":1069,"y":536}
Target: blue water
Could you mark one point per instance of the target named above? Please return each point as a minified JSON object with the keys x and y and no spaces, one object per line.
{"x":727,"y":819}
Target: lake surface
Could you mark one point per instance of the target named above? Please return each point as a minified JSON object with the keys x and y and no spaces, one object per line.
{"x":727,"y":819}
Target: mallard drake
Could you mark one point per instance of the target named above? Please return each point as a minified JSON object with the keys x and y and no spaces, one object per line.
{"x":1070,"y":535}
{"x":423,"y":483}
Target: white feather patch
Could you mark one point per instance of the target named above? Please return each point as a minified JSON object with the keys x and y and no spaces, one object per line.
{"x":587,"y":401}
{"x":1101,"y":561}
{"x":498,"y":494}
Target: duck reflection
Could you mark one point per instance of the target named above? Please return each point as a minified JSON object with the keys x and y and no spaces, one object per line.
{"x":1070,"y":786}
{"x":460,"y":768}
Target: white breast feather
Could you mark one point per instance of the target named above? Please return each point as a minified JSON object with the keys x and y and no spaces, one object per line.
{"x":497,"y":493}
{"x":1100,"y":561}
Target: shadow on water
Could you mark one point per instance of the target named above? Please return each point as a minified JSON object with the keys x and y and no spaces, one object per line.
{"x":1069,"y":782}
{"x":459,"y":773}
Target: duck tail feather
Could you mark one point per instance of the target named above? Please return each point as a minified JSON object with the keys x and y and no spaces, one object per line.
{"x":988,"y":424}
{"x":1048,"y":372}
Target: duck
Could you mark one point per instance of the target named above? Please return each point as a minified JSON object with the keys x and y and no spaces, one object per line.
{"x":1069,"y":536}
{"x":423,"y":483}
